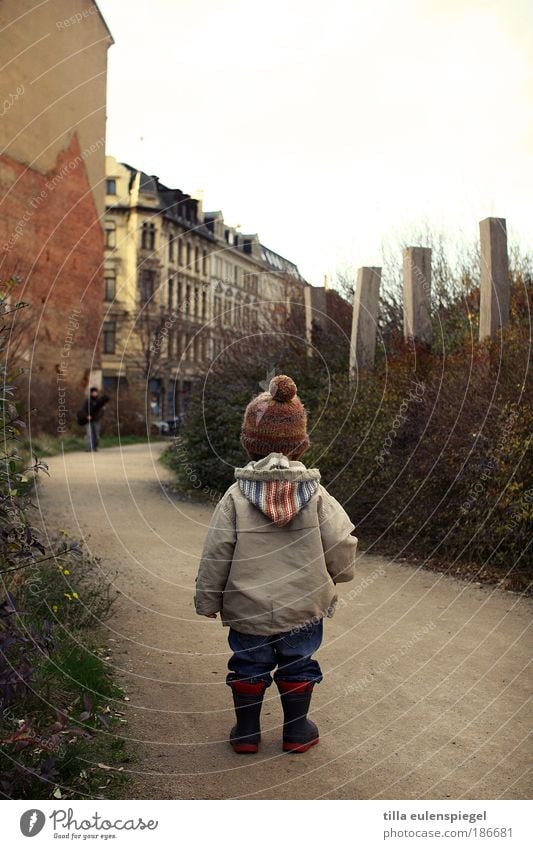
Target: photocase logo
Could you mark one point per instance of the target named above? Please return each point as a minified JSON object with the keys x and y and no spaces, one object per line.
{"x":264,"y":384}
{"x":261,"y":408}
{"x":32,"y":822}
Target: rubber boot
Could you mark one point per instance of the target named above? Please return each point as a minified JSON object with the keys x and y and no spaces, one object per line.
{"x":299,"y":733}
{"x":248,"y":700}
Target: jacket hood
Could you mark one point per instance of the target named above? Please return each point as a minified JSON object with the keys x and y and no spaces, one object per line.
{"x":277,"y":486}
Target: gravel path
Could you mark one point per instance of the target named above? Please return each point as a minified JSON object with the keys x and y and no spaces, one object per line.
{"x":425,"y":678}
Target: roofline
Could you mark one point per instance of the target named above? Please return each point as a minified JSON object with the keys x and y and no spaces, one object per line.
{"x":284,"y":258}
{"x":104,"y":21}
{"x":258,"y":261}
{"x":194,"y":229}
{"x":293,"y":271}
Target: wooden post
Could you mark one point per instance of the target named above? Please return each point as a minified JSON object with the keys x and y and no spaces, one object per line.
{"x":494,"y":277}
{"x":417,"y":295}
{"x":365,"y":318}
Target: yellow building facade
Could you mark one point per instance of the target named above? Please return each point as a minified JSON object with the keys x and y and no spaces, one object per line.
{"x":179,"y":283}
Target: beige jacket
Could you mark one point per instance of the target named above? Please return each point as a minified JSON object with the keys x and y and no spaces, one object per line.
{"x":276,"y":546}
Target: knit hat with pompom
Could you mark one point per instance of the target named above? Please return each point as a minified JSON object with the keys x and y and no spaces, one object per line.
{"x":276,"y":421}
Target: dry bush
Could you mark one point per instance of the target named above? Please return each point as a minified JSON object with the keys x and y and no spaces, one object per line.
{"x":126,"y":413}
{"x":442,"y":471}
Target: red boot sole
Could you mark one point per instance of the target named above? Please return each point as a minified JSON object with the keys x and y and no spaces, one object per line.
{"x":299,"y":747}
{"x":245,"y":748}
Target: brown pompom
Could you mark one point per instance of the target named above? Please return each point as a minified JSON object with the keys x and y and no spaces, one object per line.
{"x":282,"y":388}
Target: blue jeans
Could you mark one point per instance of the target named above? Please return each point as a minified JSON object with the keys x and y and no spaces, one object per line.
{"x":255,"y":655}
{"x":92,"y":435}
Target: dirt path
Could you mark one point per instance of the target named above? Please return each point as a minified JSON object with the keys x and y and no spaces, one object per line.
{"x":425,"y":681}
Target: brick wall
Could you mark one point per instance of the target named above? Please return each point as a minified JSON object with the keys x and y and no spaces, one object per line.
{"x":51,"y":237}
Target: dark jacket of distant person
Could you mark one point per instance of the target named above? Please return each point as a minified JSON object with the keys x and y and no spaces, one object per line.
{"x":94,"y":406}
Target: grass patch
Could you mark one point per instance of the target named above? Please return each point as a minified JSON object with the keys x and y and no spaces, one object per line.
{"x":60,"y":706}
{"x":85,"y":668}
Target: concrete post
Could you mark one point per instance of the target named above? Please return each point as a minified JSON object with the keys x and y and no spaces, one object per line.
{"x":416,"y":295}
{"x":494,"y":277}
{"x":316,"y":311}
{"x":365,"y":318}
{"x":308,"y":311}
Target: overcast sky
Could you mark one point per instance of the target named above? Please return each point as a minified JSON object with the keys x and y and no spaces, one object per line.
{"x":330,"y":127}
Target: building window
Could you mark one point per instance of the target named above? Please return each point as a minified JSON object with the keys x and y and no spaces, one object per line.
{"x":147,"y":285}
{"x":111,"y":187}
{"x":170,"y":293}
{"x":238,"y":311}
{"x":188,"y":257}
{"x":196,"y":301}
{"x":204,"y":263}
{"x":180,"y":252}
{"x":156,"y":396}
{"x":148,"y":236}
{"x":110,"y":234}
{"x":109,"y":337}
{"x":171,"y":241}
{"x":236,"y":275}
{"x":218,"y":309}
{"x":197,"y":260}
{"x":204,"y":304}
{"x":113,"y":384}
{"x":228,"y":308}
{"x":186,"y":395}
{"x":110,"y":284}
{"x":188,"y":300}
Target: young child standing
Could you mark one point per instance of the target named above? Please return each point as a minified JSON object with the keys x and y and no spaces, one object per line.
{"x":277,"y":545}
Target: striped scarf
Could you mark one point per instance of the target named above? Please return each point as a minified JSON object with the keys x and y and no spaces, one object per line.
{"x":278,"y":499}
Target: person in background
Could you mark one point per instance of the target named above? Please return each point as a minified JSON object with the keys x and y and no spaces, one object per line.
{"x":93,"y":410}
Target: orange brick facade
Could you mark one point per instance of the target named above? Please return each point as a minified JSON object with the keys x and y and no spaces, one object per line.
{"x":52,"y":239}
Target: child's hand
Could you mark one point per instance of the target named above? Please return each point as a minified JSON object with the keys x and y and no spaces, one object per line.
{"x":210,"y":615}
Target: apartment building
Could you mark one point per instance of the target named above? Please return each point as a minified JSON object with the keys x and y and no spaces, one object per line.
{"x":157,"y":285}
{"x":179,"y":284}
{"x":254,"y":289}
